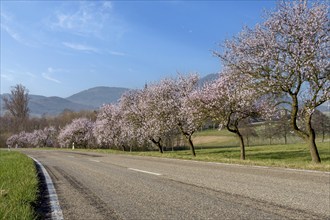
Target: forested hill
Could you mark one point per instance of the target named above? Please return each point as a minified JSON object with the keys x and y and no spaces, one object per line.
{"x":98,"y":96}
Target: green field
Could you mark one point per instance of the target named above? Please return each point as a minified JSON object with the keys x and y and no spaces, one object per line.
{"x":222,"y":146}
{"x":18,"y":186}
{"x":288,"y":156}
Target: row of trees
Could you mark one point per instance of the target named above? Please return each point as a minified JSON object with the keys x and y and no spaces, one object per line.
{"x":162,"y":110}
{"x":283,"y":63}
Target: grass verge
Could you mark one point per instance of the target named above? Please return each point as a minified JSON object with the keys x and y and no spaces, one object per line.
{"x":18,"y":186}
{"x":294,"y":156}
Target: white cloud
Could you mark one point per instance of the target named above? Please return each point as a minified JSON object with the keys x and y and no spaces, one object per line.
{"x":107,"y":5}
{"x":7,"y":77}
{"x":80,"y":47}
{"x":14,"y":34}
{"x":15,"y":30}
{"x":87,"y":19}
{"x":47,"y":75}
{"x":116,"y":53}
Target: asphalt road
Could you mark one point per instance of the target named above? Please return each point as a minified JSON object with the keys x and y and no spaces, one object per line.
{"x":100,"y":186}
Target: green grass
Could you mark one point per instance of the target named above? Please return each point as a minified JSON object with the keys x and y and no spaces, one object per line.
{"x":18,"y":186}
{"x":288,"y":156}
{"x":295,"y":156}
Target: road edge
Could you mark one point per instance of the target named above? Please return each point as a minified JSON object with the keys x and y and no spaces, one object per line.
{"x":56,"y":211}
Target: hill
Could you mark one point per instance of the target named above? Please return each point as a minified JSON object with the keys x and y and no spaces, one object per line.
{"x":97,"y":96}
{"x":41,"y":105}
{"x":53,"y":105}
{"x":208,"y":78}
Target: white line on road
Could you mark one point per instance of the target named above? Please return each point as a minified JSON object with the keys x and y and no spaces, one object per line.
{"x":97,"y":161}
{"x":56,"y":210}
{"x":143,"y":171}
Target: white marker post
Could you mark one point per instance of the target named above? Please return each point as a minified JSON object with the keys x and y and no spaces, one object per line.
{"x":73,"y":146}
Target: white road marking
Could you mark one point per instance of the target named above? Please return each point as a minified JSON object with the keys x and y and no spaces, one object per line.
{"x":56,"y":210}
{"x":97,"y":161}
{"x":143,"y":171}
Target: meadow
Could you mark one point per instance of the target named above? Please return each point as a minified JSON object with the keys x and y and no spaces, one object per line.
{"x":222,"y":146}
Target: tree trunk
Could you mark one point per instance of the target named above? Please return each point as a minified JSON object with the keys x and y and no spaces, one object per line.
{"x":123,"y":147}
{"x":309,"y":134}
{"x":158,"y":145}
{"x":311,"y":140}
{"x":234,"y":129}
{"x":188,"y":137}
{"x":241,"y":144}
{"x":313,"y":150}
{"x":191,"y":145}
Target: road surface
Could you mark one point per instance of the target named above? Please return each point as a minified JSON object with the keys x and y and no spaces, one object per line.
{"x":102,"y":186}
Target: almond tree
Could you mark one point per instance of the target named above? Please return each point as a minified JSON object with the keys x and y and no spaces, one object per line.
{"x":288,"y":54}
{"x":171,"y":108}
{"x":43,"y":137}
{"x":229,"y":100}
{"x":188,"y":118}
{"x":37,"y":138}
{"x":20,"y":140}
{"x":79,"y":132}
{"x":110,"y":128}
{"x":132,"y":107}
{"x":159,"y":104}
{"x":12,"y":141}
{"x":149,"y":112}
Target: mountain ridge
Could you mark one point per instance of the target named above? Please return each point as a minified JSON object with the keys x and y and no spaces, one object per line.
{"x":97,"y":96}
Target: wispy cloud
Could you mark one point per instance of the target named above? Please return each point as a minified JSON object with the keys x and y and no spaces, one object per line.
{"x":87,"y":19}
{"x":80,"y":47}
{"x":12,"y":28}
{"x":107,"y":5}
{"x":7,"y":77}
{"x":116,"y":53}
{"x":87,"y":48}
{"x":47,"y":74}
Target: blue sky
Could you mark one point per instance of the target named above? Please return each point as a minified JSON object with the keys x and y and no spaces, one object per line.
{"x":58,"y":48}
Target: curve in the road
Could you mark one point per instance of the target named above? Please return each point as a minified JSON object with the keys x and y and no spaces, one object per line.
{"x":56,"y":211}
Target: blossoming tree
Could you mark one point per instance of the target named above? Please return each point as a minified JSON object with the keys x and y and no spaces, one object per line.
{"x":229,"y":100}
{"x":288,"y":54}
{"x":110,"y":129}
{"x":79,"y":132}
{"x":188,"y":118}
